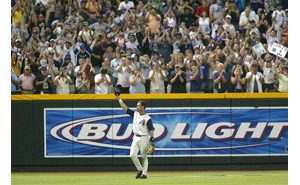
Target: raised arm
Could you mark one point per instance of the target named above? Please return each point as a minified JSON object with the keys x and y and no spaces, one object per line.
{"x":122,"y":104}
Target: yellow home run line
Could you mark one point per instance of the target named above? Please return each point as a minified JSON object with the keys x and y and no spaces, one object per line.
{"x":149,"y":96}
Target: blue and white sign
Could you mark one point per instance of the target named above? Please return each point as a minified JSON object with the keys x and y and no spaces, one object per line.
{"x":107,"y":132}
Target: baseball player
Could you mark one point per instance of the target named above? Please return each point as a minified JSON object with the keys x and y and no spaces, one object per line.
{"x":142,"y":128}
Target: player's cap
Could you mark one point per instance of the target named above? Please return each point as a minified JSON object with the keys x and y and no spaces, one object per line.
{"x":27,"y":67}
{"x":82,"y":46}
{"x":18,"y":40}
{"x":68,"y":56}
{"x":228,"y":16}
{"x":132,"y":55}
{"x":118,"y":89}
{"x":177,"y":65}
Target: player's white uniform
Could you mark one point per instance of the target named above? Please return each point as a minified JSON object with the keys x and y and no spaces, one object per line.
{"x":142,"y":124}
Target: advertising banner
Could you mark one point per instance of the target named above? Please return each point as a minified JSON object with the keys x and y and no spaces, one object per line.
{"x":180,"y":131}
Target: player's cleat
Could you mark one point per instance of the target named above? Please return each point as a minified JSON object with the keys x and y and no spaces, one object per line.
{"x":138,"y":175}
{"x":143,"y":176}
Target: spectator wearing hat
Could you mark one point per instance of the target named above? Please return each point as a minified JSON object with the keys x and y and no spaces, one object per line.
{"x":83,"y":52}
{"x":254,"y":80}
{"x":86,"y":33}
{"x":16,"y":45}
{"x":68,"y":48}
{"x":229,"y":27}
{"x":66,"y":61}
{"x":27,"y":81}
{"x":53,"y":49}
{"x":177,"y":80}
{"x":253,"y":28}
{"x":232,"y":10}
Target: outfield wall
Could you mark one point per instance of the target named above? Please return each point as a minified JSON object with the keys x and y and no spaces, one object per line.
{"x":193,"y":132}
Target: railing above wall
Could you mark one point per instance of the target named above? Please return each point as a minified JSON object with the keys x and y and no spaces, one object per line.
{"x":148,"y":96}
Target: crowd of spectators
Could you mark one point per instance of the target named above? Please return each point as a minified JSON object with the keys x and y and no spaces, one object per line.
{"x":147,"y":46}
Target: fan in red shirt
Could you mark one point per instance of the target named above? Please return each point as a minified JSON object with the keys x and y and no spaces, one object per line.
{"x":203,"y":7}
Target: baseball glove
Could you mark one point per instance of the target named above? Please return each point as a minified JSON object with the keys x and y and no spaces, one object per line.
{"x":151,"y":148}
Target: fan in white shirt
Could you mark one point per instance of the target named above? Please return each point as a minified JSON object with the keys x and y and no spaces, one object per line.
{"x":102,"y":82}
{"x":157,"y":77}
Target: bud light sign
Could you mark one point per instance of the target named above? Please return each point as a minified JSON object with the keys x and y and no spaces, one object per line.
{"x":107,"y":132}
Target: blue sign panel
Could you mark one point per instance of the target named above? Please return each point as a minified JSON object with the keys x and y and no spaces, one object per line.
{"x":107,"y":132}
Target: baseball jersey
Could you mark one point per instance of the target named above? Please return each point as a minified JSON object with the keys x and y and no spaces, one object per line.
{"x":142,"y":124}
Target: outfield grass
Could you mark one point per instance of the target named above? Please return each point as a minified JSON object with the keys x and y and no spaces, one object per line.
{"x":154,"y":178}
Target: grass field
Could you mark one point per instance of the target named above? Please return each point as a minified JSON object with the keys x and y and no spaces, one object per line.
{"x":154,"y":178}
